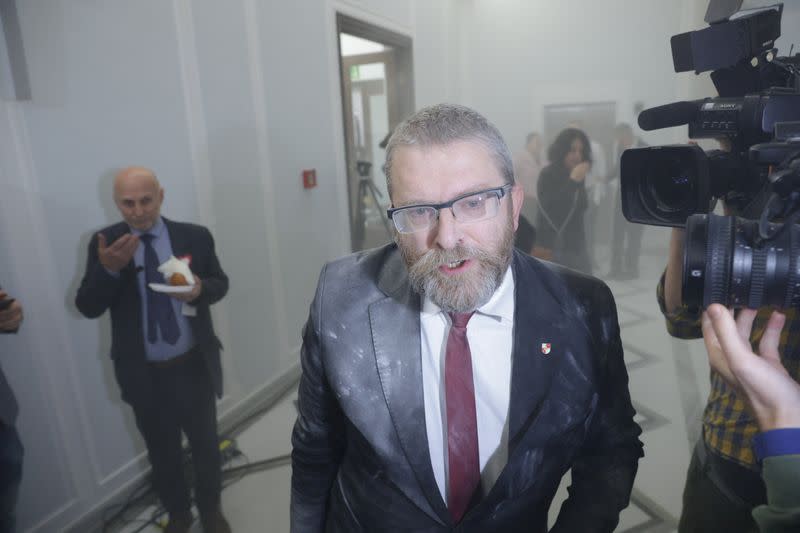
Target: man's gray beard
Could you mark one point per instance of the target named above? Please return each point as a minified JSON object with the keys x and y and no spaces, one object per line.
{"x":460,"y":293}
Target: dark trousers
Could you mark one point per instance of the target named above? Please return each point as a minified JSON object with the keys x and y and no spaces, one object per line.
{"x":625,"y":258}
{"x":183,"y":401}
{"x":11,"y":454}
{"x":719,"y":495}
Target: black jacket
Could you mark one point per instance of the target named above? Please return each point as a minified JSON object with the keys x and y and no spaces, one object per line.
{"x":8,"y":402}
{"x":559,"y":222}
{"x":100,"y":291}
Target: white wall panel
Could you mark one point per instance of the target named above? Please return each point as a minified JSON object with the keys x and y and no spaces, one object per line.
{"x":227,"y":102}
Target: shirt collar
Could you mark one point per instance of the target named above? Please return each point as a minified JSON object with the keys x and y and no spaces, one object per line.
{"x":500,"y":306}
{"x":155,"y":230}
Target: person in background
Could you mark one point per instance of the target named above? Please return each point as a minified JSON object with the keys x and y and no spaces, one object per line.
{"x":624,"y":253}
{"x":525,"y":236}
{"x":11,"y":450}
{"x":166,"y":355}
{"x":596,"y":190}
{"x":528,"y":163}
{"x":772,"y":396}
{"x":563,"y":202}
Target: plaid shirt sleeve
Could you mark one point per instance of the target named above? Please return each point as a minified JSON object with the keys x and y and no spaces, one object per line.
{"x":683,"y":322}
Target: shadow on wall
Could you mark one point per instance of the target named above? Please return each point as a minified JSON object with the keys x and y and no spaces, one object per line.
{"x":102,"y":325}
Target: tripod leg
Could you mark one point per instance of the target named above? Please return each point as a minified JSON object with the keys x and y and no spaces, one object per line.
{"x":360,"y":221}
{"x":384,"y":218}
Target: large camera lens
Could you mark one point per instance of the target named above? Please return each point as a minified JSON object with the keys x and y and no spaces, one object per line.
{"x":663,"y":185}
{"x":723,"y":263}
{"x":669,"y":187}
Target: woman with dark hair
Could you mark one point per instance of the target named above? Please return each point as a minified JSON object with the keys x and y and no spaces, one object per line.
{"x":563,"y":201}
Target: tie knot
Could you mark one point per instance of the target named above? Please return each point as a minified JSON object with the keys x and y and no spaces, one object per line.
{"x":460,"y":319}
{"x":147,"y":238}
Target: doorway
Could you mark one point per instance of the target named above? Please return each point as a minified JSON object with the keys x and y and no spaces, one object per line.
{"x":376,"y":72}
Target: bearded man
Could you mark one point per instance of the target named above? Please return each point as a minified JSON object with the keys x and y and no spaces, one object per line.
{"x":449,"y":382}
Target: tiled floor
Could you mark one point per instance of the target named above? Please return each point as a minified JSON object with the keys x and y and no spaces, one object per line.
{"x":668,"y":384}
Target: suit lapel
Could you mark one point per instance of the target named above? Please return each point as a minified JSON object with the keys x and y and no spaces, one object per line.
{"x":538,"y":319}
{"x":395,"y":335}
{"x":540,"y":336}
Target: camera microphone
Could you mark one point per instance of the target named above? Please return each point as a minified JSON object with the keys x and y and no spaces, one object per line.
{"x":669,"y":115}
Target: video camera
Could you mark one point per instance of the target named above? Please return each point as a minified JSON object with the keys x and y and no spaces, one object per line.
{"x":740,"y":262}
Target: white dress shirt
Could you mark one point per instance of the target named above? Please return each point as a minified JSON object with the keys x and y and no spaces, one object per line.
{"x":490,"y":336}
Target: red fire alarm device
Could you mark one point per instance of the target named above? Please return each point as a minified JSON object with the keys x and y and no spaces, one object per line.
{"x":309,"y":179}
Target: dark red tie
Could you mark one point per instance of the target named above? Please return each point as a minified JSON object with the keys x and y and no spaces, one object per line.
{"x":462,"y":422}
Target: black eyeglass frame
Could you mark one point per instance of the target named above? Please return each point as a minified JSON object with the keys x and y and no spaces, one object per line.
{"x":501,"y":192}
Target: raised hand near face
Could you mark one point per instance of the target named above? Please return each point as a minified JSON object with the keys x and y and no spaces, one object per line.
{"x":119,"y":253}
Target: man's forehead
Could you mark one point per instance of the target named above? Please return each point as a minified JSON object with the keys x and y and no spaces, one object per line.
{"x":137,"y":184}
{"x":454,"y":160}
{"x":136,"y":193}
{"x":461,"y":151}
{"x":417,"y":183}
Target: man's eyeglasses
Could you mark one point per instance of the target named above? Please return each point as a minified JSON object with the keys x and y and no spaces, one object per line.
{"x":470,"y":207}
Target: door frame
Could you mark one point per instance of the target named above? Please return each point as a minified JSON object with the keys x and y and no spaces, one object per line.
{"x":399,"y":91}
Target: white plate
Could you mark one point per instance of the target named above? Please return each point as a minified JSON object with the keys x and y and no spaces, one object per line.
{"x":174,"y":289}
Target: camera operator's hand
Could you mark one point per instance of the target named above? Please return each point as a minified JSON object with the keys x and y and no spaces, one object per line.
{"x":579,"y":171}
{"x":773,"y":396}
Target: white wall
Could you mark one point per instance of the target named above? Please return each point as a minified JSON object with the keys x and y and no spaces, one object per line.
{"x":518,"y":56}
{"x":228,"y":102}
{"x":509,"y":58}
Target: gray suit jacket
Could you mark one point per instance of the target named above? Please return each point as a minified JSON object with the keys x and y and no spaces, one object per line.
{"x":360,"y":459}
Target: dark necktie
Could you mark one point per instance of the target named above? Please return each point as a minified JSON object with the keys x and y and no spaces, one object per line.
{"x":159,"y":306}
{"x":462,"y":421}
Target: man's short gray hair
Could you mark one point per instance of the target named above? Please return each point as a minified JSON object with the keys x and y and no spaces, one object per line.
{"x":443,"y":124}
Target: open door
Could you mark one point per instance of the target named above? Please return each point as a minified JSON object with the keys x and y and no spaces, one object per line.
{"x":377,"y":94}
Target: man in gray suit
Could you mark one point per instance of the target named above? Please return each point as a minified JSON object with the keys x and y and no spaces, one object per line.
{"x":449,"y":382}
{"x":11,"y":451}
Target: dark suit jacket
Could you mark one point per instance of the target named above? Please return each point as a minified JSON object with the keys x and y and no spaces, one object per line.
{"x":100,"y":291}
{"x":360,"y":459}
{"x":8,"y":402}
